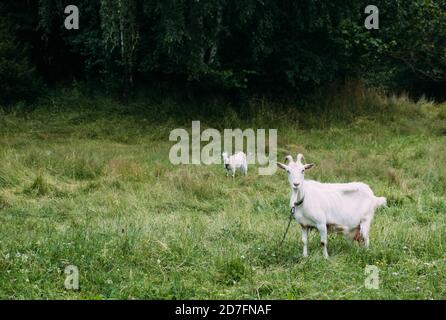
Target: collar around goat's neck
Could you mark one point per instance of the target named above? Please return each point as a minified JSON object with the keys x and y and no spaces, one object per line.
{"x":298,"y":203}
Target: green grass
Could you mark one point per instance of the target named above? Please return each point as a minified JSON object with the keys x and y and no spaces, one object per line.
{"x":91,"y":185}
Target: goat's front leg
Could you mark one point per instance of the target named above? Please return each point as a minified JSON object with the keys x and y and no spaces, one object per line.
{"x":304,"y":234}
{"x":323,"y":231}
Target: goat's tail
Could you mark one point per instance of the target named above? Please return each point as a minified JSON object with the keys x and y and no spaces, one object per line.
{"x":380,"y":202}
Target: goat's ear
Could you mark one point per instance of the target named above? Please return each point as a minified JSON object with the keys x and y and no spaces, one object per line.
{"x":309,"y":166}
{"x":282,"y":166}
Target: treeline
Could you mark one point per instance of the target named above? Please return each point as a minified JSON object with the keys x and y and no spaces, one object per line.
{"x":279,"y":47}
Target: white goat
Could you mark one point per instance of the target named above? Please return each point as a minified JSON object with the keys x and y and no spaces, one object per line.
{"x":234,"y":162}
{"x":347,"y":208}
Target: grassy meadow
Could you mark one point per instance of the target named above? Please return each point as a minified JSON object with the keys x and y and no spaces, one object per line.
{"x":87,"y":181}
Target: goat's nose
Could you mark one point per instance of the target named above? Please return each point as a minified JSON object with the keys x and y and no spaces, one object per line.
{"x":296,"y":184}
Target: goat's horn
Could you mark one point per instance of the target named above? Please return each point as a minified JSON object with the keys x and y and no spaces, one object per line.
{"x":288,"y":159}
{"x":300,"y":157}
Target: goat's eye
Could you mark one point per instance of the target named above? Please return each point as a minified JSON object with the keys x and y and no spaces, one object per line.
{"x":288,"y":171}
{"x":303,"y":171}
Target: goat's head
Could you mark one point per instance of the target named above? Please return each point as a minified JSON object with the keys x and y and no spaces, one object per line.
{"x":295,"y":170}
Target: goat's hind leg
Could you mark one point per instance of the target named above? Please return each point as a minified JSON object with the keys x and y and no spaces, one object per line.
{"x":364,"y":230}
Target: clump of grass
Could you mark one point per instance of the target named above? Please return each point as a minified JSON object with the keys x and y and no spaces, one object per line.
{"x":39,"y":187}
{"x":441,"y":114}
{"x":435,"y":169}
{"x":125,"y":169}
{"x":4,"y":203}
{"x":83,"y":167}
{"x":158,"y":171}
{"x":8,"y":175}
{"x":199,"y":184}
{"x":230,"y":271}
{"x":91,"y":187}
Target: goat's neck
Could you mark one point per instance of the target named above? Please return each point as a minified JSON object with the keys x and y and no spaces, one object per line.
{"x":297,"y":195}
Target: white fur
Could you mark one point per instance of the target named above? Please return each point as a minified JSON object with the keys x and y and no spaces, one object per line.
{"x":341,"y":207}
{"x":235,"y":162}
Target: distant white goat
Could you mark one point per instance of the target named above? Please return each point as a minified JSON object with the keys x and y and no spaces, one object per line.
{"x":346,"y":208}
{"x":234,"y":162}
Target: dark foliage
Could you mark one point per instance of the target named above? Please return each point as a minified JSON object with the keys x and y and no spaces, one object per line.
{"x":281,"y":47}
{"x":17,"y":76}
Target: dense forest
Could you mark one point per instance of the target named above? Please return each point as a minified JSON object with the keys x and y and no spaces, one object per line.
{"x":277,"y":47}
